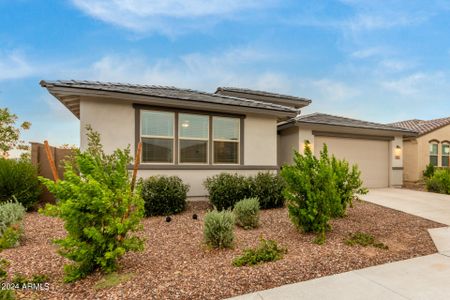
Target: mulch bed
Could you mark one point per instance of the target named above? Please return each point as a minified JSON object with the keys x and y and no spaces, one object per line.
{"x":176,"y":265}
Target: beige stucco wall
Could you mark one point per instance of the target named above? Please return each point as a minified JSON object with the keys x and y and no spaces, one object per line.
{"x":115,"y":122}
{"x":410,"y":160}
{"x":418,"y":156}
{"x":260,"y":141}
{"x":288,"y":142}
{"x":396,"y":163}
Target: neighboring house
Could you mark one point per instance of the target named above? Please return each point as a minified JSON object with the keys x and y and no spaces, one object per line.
{"x":431,"y":145}
{"x":195,"y":134}
{"x":375,"y":148}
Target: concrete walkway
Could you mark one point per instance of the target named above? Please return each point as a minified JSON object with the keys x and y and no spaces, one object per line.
{"x":426,"y":277}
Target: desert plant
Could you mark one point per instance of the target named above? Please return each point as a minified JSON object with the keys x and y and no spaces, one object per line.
{"x":246,"y":213}
{"x":19,"y":179}
{"x":226,"y":189}
{"x":310,"y":191}
{"x":268,"y":188}
{"x":5,"y":293}
{"x":348,"y":183}
{"x":99,"y":208}
{"x":266,"y":251}
{"x":218,"y":229}
{"x":439,"y":182}
{"x":164,"y":195}
{"x":11,"y":213}
{"x":364,"y":239}
{"x":429,"y":171}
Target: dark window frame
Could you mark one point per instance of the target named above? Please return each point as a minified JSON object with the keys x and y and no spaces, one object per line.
{"x":210,"y":163}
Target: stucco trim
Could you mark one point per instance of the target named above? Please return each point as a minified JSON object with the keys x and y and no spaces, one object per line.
{"x":434,"y":141}
{"x":445,"y":142}
{"x":352,"y":136}
{"x":203,"y":167}
{"x":397,"y":168}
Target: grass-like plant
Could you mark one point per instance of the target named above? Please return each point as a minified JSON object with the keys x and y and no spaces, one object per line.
{"x":246,"y":212}
{"x":218,"y":229}
{"x":364,"y":239}
{"x":267,"y":250}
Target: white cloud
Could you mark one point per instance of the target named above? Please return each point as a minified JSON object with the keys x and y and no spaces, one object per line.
{"x":14,"y":65}
{"x":168,"y":16}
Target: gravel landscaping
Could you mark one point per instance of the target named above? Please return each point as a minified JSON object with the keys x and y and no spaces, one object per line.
{"x":176,"y":265}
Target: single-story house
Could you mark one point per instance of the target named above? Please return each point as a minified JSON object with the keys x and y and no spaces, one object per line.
{"x":195,"y":134}
{"x":431,"y":145}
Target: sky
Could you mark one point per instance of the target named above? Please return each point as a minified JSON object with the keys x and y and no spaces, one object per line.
{"x":380,"y":61}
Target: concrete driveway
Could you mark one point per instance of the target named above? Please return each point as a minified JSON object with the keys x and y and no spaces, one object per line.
{"x":431,"y":206}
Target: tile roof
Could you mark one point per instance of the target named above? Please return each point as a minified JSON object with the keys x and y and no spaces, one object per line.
{"x":423,"y":126}
{"x":167,"y":92}
{"x":326,"y":119}
{"x":262,"y":93}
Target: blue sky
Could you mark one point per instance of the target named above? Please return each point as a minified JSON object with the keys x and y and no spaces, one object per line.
{"x":376,"y":60}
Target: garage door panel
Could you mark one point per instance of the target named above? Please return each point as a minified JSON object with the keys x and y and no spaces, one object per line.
{"x":372,"y":157}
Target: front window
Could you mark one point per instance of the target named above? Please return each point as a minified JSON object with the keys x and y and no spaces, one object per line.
{"x":185,"y":138}
{"x":445,"y":155}
{"x":434,"y":154}
{"x":157,"y":133}
{"x":226,"y":135}
{"x":193,"y":132}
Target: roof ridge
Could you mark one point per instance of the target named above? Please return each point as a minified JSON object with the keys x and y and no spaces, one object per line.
{"x":250,"y":91}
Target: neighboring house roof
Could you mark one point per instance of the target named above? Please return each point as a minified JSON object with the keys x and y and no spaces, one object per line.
{"x":423,"y":126}
{"x":326,"y":119}
{"x":297,"y":102}
{"x":67,"y":91}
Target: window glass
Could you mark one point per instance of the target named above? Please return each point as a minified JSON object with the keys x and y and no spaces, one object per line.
{"x":193,"y":126}
{"x":434,"y":154}
{"x":445,"y":155}
{"x":193,"y":151}
{"x":157,"y":150}
{"x":226,"y":152}
{"x":157,"y":123}
{"x":226,"y":128}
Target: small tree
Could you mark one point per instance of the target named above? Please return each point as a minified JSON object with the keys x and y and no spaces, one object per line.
{"x":10,"y":132}
{"x":99,"y":208}
{"x":310,"y":192}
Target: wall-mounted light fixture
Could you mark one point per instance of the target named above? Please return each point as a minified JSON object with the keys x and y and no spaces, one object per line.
{"x":398,"y":152}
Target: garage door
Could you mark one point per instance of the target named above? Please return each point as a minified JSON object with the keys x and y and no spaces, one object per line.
{"x":372,"y":157}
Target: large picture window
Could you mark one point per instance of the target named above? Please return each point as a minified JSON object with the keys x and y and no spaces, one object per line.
{"x":157,"y":134}
{"x":445,"y":154}
{"x":434,"y":154}
{"x":189,"y":138}
{"x":193,"y":133}
{"x":226,"y":136}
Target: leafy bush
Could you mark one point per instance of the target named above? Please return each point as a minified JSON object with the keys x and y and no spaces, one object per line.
{"x":19,"y":179}
{"x":268,"y":188}
{"x":11,"y":236}
{"x":364,"y":239}
{"x":429,"y":171}
{"x":99,"y":209}
{"x":246,"y":213}
{"x":266,"y":251}
{"x":218,"y":229}
{"x":439,"y":182}
{"x":311,"y":192}
{"x":5,"y":294}
{"x":226,"y":189}
{"x":348,"y":183}
{"x":164,"y":195}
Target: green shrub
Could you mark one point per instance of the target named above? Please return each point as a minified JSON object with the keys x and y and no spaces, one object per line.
{"x":364,"y":239}
{"x":99,"y":209}
{"x":439,"y":182}
{"x":11,"y":236}
{"x":429,"y":171}
{"x":5,"y":294}
{"x":218,"y":229}
{"x":268,"y":188}
{"x":226,"y":189}
{"x":164,"y":195}
{"x":11,"y":213}
{"x":19,"y":179}
{"x":348,"y":183}
{"x":311,"y":192}
{"x":266,"y":251}
{"x":246,"y":213}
